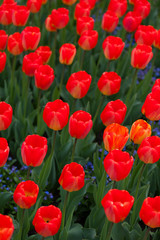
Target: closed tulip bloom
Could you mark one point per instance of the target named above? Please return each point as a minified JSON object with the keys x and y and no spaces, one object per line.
{"x":6,"y":227}
{"x":88,"y":40}
{"x":141,"y":55}
{"x":142,"y":7}
{"x":44,"y":76}
{"x":84,"y":23}
{"x":80,"y":123}
{"x":109,"y":83}
{"x":15,"y":44}
{"x":118,"y":6}
{"x":91,"y":3}
{"x":150,"y":212}
{"x":20,"y":15}
{"x":4,"y":151}
{"x":30,"y":38}
{"x":156,"y":86}
{"x":9,"y":2}
{"x":56,"y":114}
{"x":140,"y":129}
{"x":31,"y":62}
{"x":34,"y":150}
{"x":109,"y":21}
{"x":34,"y":5}
{"x":145,"y":35}
{"x":3,"y":58}
{"x":67,"y":53}
{"x":5,"y":14}
{"x":81,"y":10}
{"x":156,"y":42}
{"x":118,"y":164}
{"x":60,"y":17}
{"x":47,"y":220}
{"x":131,"y":21}
{"x":6,"y":113}
{"x":149,"y":150}
{"x":69,"y":2}
{"x":72,"y":177}
{"x":25,"y":194}
{"x":49,"y":24}
{"x":45,"y":53}
{"x":114,"y":112}
{"x":115,"y":136}
{"x":113,"y":47}
{"x":3,"y":39}
{"x":78,"y":84}
{"x":151,"y":106}
{"x":117,"y":205}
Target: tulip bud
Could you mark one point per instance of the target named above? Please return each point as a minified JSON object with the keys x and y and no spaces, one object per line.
{"x":67,"y":53}
{"x":81,"y":10}
{"x":45,"y":53}
{"x":84,"y":23}
{"x":140,"y":129}
{"x":20,"y":15}
{"x":4,"y":151}
{"x":141,"y":55}
{"x":145,"y":35}
{"x":113,"y":47}
{"x":142,"y":7}
{"x":131,"y":21}
{"x":91,"y":3}
{"x":6,"y":227}
{"x":6,"y":113}
{"x":3,"y":59}
{"x":118,"y":6}
{"x":31,"y":62}
{"x":30,"y":38}
{"x":15,"y":44}
{"x":88,"y":40}
{"x":109,"y":21}
{"x":34,"y":5}
{"x":78,"y":84}
{"x":6,"y":14}
{"x":60,"y":17}
{"x":109,"y":83}
{"x":44,"y":76}
{"x":49,"y":24}
{"x":72,"y":177}
{"x":156,"y":42}
{"x":3,"y":39}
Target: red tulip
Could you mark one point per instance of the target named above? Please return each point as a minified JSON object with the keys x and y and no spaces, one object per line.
{"x":6,"y":14}
{"x":20,"y":15}
{"x":44,"y":1}
{"x":6,"y":227}
{"x":156,"y":42}
{"x":56,"y":114}
{"x":34,"y":150}
{"x":49,"y":24}
{"x":67,"y":53}
{"x":114,"y":112}
{"x":78,"y":84}
{"x":31,"y":62}
{"x":117,"y":205}
{"x":72,"y":177}
{"x":3,"y":39}
{"x":141,"y":55}
{"x":113,"y":47}
{"x":151,"y":106}
{"x":109,"y":83}
{"x":81,"y":10}
{"x":84,"y":23}
{"x":25,"y":194}
{"x":47,"y":220}
{"x":60,"y":17}
{"x":9,"y":2}
{"x":80,"y":123}
{"x":131,"y":21}
{"x":3,"y":58}
{"x":91,"y":3}
{"x":156,"y":86}
{"x":4,"y":151}
{"x":15,"y":44}
{"x":149,"y":150}
{"x":115,"y":136}
{"x":140,"y":129}
{"x":118,"y":6}
{"x":34,"y":5}
{"x":145,"y":35}
{"x":150,"y":212}
{"x":45,"y":53}
{"x":6,"y":113}
{"x":30,"y":38}
{"x":109,"y":21}
{"x":88,"y":40}
{"x":118,"y":164}
{"x":142,"y":7}
{"x":69,"y":2}
{"x":44,"y":76}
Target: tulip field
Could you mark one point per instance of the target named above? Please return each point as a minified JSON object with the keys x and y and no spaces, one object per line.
{"x":79,"y":120}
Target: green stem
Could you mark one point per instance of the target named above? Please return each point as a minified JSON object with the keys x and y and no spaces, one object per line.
{"x":152,"y":125}
{"x":54,"y":48}
{"x":26,"y":93}
{"x":109,"y":231}
{"x":19,"y":236}
{"x":73,"y":150}
{"x":132,"y":87}
{"x":146,"y":234}
{"x":12,"y":80}
{"x":108,"y":65}
{"x":114,"y":184}
{"x":64,"y":210}
{"x":104,"y":230}
{"x":98,"y":108}
{"x":28,"y":172}
{"x":61,"y":82}
{"x":82,"y":59}
{"x":73,"y":105}
{"x":102,"y":157}
{"x":38,"y":108}
{"x":136,"y":194}
{"x":42,"y":238}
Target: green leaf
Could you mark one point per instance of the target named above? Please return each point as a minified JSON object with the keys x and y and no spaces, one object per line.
{"x":76,"y":232}
{"x":4,"y":199}
{"x":89,"y":233}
